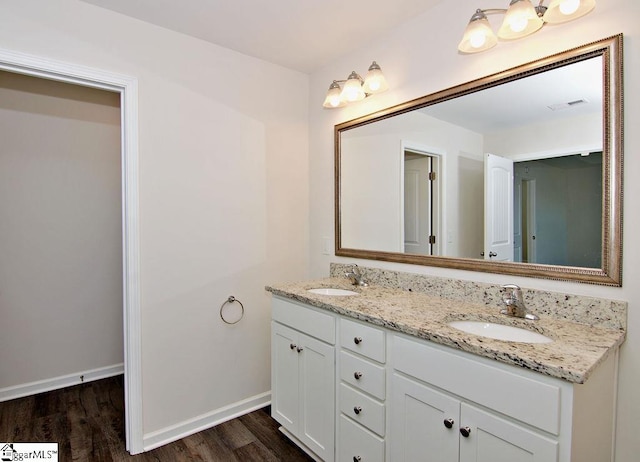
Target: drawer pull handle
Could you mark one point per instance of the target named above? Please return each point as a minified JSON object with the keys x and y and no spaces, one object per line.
{"x":465,"y":431}
{"x":292,"y":346}
{"x":357,"y":458}
{"x":357,"y":340}
{"x":448,"y":423}
{"x":299,"y":349}
{"x":357,"y":409}
{"x":357,"y":375}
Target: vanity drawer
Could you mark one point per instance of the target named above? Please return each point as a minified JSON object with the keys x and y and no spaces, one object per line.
{"x":363,"y":409}
{"x":362,"y":339}
{"x":529,"y":399}
{"x":315,"y":323}
{"x":362,"y":374}
{"x":358,"y":444}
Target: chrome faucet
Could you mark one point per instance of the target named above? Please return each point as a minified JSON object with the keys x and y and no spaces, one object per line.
{"x":512,"y":297}
{"x":355,"y":275}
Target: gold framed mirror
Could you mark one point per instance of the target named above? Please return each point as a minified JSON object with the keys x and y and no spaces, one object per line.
{"x":517,"y":173}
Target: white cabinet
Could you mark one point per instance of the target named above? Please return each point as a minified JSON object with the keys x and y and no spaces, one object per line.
{"x":425,"y":422}
{"x":303,"y":377}
{"x":452,"y":406}
{"x":400,"y":398}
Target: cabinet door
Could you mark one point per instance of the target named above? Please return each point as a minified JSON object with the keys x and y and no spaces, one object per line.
{"x":317,"y":393}
{"x":418,"y":429}
{"x":493,"y":439}
{"x":284,"y":376}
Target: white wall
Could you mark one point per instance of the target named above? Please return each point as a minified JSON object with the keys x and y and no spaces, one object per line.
{"x":420,"y":58}
{"x":60,"y":231}
{"x":223,"y":195}
{"x":372,"y":201}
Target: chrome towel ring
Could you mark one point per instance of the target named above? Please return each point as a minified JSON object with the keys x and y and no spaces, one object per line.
{"x":231,"y":299}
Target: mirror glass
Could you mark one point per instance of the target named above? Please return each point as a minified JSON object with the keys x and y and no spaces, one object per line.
{"x":515,"y":173}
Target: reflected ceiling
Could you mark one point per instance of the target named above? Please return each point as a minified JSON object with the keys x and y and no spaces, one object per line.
{"x":506,"y":111}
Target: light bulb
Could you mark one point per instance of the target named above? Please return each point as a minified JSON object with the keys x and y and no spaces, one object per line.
{"x":520,"y":20}
{"x":353,"y":90}
{"x":478,"y":35}
{"x":477,"y":39}
{"x":375,"y":81}
{"x":333,"y":98}
{"x":351,"y":94}
{"x":560,"y":11}
{"x":569,"y":6}
{"x":518,"y":24}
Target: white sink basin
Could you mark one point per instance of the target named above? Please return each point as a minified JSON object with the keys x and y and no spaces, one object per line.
{"x":500,"y":332}
{"x":332,"y":291}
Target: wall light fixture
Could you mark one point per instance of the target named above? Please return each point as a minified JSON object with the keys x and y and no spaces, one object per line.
{"x":520,"y":19}
{"x":354,"y":88}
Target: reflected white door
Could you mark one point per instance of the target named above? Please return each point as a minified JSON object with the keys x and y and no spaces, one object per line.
{"x":421,"y":209}
{"x":498,"y":208}
{"x":418,"y":205}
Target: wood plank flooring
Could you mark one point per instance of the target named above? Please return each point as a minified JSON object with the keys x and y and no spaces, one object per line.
{"x":87,"y":422}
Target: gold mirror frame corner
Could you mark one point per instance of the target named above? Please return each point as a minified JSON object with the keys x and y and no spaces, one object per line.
{"x":611,"y":50}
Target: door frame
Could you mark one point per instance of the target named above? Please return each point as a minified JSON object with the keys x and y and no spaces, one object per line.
{"x":127,"y":87}
{"x":530,"y":186}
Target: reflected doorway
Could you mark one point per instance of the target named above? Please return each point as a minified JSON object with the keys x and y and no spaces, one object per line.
{"x":421,"y":202}
{"x":558,"y":210}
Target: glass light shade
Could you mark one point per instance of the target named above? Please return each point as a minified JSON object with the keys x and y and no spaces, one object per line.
{"x":352,"y":90}
{"x":520,"y":20}
{"x":333,"y":98}
{"x":375,"y":82}
{"x":478,"y":36}
{"x":560,"y":11}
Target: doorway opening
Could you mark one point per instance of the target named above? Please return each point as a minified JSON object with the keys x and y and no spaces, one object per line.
{"x":126,"y":87}
{"x":525,"y":238}
{"x":558,"y":210}
{"x":61,"y":234}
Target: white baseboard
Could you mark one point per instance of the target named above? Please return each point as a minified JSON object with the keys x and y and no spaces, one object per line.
{"x":55,"y":383}
{"x":211,"y":419}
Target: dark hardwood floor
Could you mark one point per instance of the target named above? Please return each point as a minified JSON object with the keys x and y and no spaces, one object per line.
{"x":87,"y":422}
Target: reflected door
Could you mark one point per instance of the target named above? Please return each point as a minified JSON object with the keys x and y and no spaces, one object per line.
{"x":419,"y":237}
{"x":498,"y":208}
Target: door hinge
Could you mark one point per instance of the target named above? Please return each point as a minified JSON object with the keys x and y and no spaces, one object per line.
{"x":432,"y":239}
{"x":432,"y":176}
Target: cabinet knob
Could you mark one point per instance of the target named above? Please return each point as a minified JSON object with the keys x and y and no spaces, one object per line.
{"x":357,"y":340}
{"x":465,"y":431}
{"x":292,"y":346}
{"x":357,"y":375}
{"x":448,"y":423}
{"x":357,"y":458}
{"x":357,"y":409}
{"x":299,"y":349}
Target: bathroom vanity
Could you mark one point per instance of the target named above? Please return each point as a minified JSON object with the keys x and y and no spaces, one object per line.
{"x":382,"y":375}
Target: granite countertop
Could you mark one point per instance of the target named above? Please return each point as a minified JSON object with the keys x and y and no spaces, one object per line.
{"x":574,"y":354}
